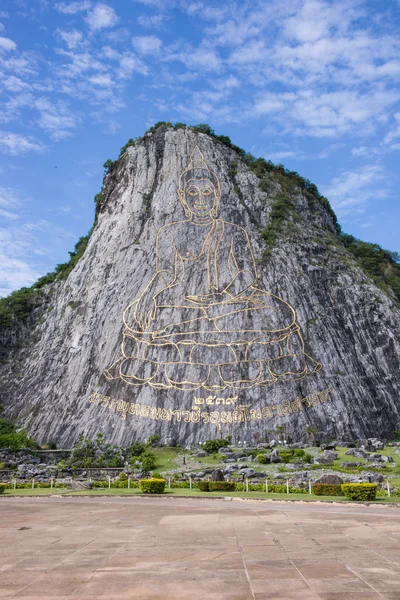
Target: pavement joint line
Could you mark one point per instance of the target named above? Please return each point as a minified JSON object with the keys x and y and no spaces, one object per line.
{"x":95,"y":571}
{"x":288,"y":557}
{"x":340,"y":560}
{"x":310,"y":502}
{"x":241,"y":554}
{"x":54,"y":566}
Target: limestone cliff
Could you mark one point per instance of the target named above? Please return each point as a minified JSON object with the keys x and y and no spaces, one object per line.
{"x":55,"y":376}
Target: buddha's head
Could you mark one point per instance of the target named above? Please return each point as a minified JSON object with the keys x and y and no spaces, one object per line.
{"x":199,"y":189}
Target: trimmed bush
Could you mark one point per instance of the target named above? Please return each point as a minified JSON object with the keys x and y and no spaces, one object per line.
{"x":221,"y":486}
{"x":285,"y":455}
{"x":2,"y":487}
{"x":359,"y":491}
{"x":204,"y":486}
{"x":152,"y":486}
{"x":327,"y":489}
{"x":181,"y":485}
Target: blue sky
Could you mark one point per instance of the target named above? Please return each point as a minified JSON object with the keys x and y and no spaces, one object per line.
{"x":312,"y":84}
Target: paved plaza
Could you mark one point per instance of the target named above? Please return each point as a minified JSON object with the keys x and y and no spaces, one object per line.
{"x":194,"y":549}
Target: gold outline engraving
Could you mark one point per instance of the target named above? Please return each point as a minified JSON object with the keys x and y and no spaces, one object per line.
{"x":198,"y":346}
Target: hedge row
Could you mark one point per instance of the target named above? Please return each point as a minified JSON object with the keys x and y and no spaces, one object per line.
{"x":28,"y":485}
{"x":327,"y":489}
{"x":359,"y":491}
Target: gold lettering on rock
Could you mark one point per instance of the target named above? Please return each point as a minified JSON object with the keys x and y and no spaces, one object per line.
{"x":241,"y":414}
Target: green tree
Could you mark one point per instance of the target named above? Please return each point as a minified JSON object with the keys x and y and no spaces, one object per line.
{"x":204,"y":128}
{"x":129,"y":143}
{"x":281,"y":429}
{"x":108,"y":165}
{"x":312,"y":432}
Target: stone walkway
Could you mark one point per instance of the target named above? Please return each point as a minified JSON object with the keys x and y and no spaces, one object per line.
{"x":178,"y":549}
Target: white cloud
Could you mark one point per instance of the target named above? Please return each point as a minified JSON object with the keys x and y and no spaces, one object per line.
{"x":15,"y":84}
{"x":57,"y":119}
{"x":14,"y":273}
{"x":147,"y":44}
{"x":71,"y":38}
{"x":394,"y":132}
{"x":326,"y":114}
{"x":202,"y":58}
{"x":15,"y":144}
{"x":152,"y":21}
{"x":7,"y":44}
{"x":73,"y":7}
{"x":8,"y":203}
{"x":101,"y":16}
{"x":24,"y":257}
{"x":128,"y":63}
{"x":277,"y":156}
{"x":351,"y":191}
{"x":101,"y":80}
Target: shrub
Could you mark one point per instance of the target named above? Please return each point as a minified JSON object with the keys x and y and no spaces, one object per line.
{"x":286,"y":455}
{"x":307,"y":458}
{"x":262,"y":459}
{"x":299,"y":452}
{"x":152,"y":486}
{"x":359,"y":491}
{"x":327,"y":489}
{"x":108,"y":165}
{"x":129,"y":143}
{"x":148,"y":461}
{"x":211,"y":446}
{"x":180,"y":485}
{"x":6,"y":427}
{"x":204,"y":486}
{"x":2,"y":487}
{"x":137,"y":448}
{"x":221,"y":486}
{"x":204,"y":128}
{"x":153,"y":440}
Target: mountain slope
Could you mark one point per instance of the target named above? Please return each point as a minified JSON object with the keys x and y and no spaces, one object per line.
{"x":54,"y":361}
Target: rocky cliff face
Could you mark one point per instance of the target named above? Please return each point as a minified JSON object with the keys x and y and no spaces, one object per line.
{"x":247,"y":363}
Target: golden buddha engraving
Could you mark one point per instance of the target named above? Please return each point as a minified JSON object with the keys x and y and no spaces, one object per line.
{"x":229,"y":333}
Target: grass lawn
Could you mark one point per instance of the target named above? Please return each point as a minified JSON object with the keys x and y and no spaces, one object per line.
{"x":168,"y":458}
{"x":188,"y":492}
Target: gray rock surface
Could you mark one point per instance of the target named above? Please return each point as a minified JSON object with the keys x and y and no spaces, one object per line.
{"x":54,"y":363}
{"x":330,"y":479}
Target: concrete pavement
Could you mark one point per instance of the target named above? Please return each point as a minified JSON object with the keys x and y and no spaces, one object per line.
{"x":169,"y":548}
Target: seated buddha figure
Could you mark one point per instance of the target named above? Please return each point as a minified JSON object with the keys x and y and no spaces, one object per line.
{"x":202,"y":321}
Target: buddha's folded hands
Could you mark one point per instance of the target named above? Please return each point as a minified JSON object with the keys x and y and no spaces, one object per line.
{"x":208,"y":299}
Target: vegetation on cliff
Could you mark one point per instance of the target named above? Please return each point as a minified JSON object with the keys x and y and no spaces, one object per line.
{"x":379,"y":264}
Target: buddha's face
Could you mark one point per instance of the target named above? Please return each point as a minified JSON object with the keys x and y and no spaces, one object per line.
{"x":200,"y":196}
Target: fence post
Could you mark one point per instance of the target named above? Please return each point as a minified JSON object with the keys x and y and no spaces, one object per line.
{"x":190,"y":482}
{"x":247,"y":485}
{"x":129,"y":482}
{"x":266,"y":486}
{"x":51,"y":482}
{"x":33,"y":482}
{"x":309,"y":486}
{"x":169,"y":483}
{"x":287,"y":486}
{"x":388,"y":488}
{"x":15,"y":484}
